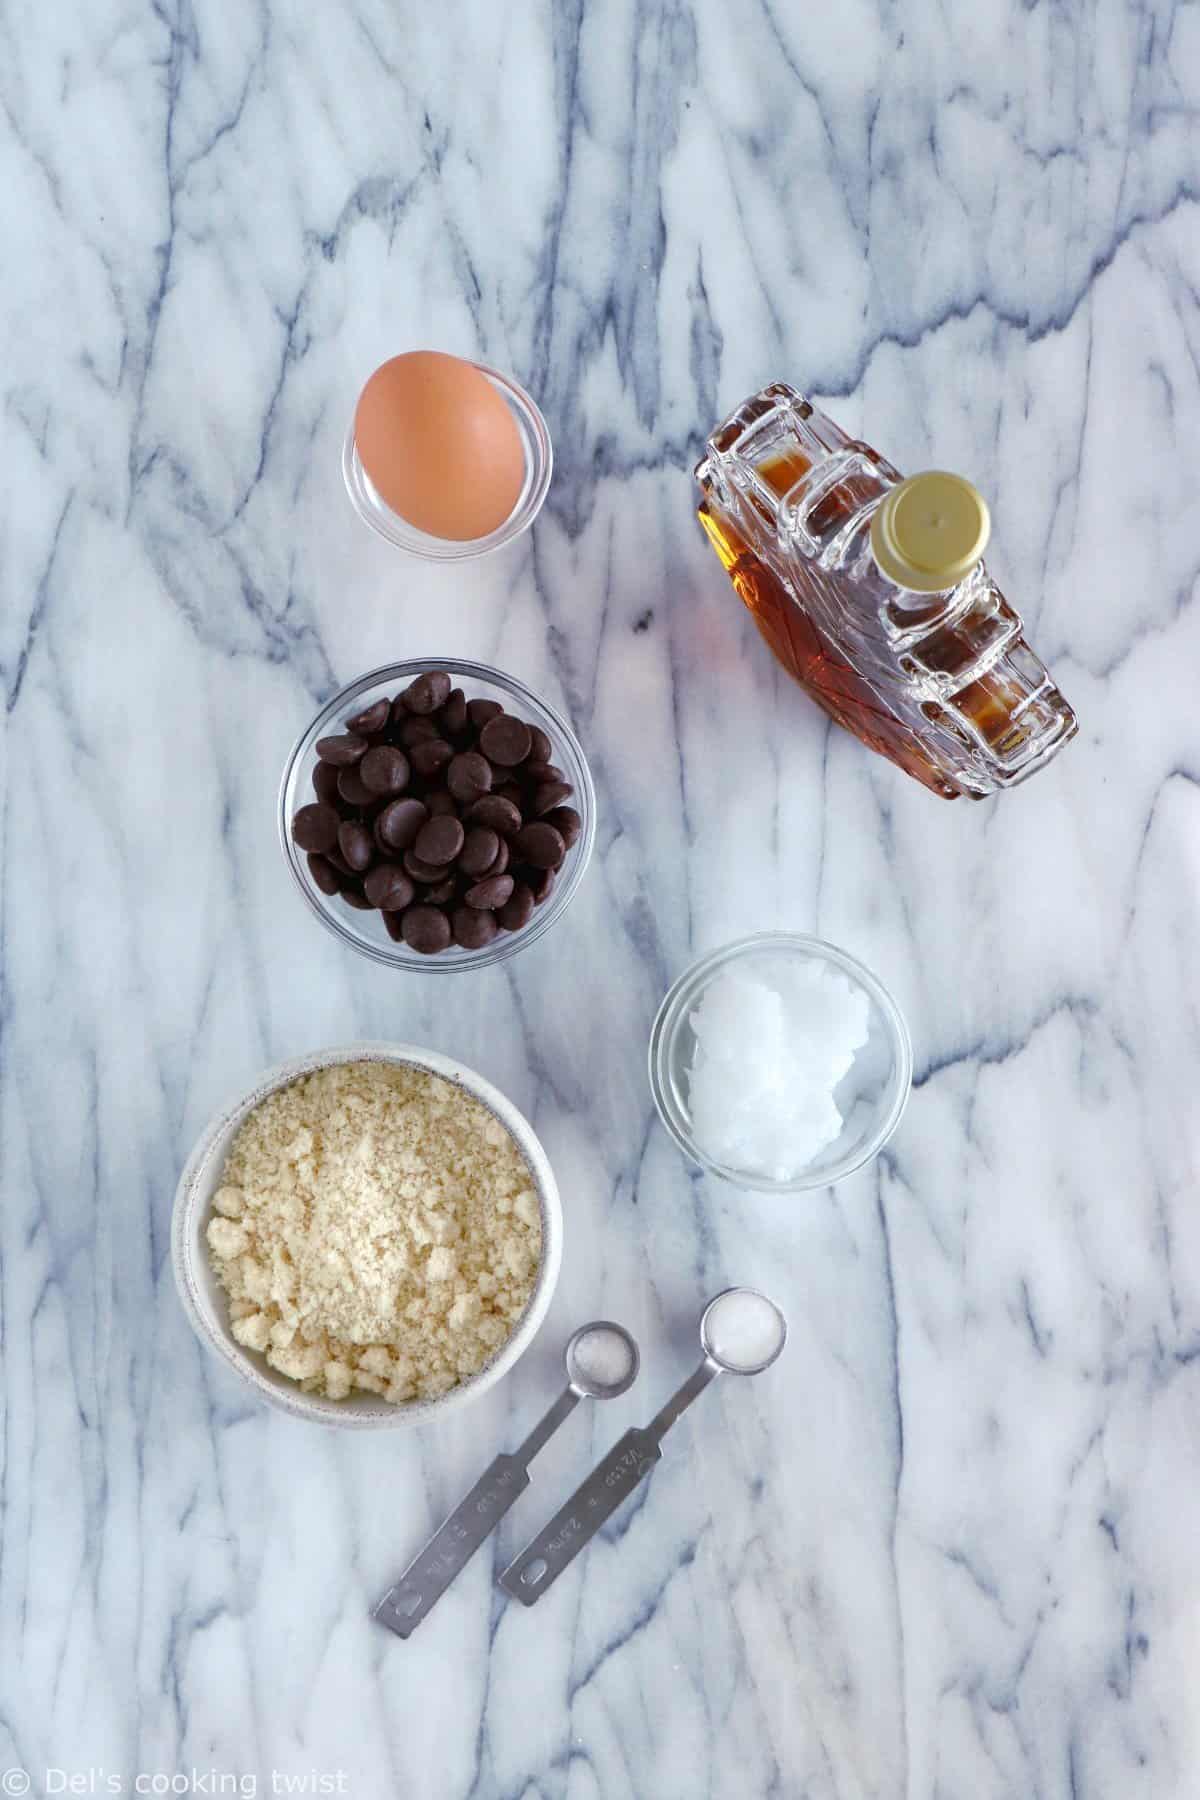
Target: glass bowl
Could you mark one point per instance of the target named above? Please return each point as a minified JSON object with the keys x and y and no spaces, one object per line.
{"x":871,"y":1097}
{"x":364,"y":931}
{"x":539,"y":466}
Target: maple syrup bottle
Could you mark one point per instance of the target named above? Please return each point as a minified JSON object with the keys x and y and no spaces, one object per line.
{"x":872,"y":592}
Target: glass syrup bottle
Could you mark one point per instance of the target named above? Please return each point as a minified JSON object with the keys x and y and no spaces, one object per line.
{"x":872,"y":592}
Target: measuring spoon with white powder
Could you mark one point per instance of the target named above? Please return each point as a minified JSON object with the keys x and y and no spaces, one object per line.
{"x":741,"y":1333}
{"x":602,"y":1361}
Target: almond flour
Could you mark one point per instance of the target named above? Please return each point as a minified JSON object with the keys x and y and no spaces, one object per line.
{"x":376,"y":1228}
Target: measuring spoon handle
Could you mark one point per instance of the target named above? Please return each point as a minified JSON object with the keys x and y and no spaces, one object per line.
{"x":614,"y":1478}
{"x":452,"y":1546}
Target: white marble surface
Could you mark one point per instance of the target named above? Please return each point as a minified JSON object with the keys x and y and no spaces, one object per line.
{"x":948,"y":1547}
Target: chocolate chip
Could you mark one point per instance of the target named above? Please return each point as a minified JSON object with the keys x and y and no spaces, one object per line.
{"x":351,"y":790}
{"x":508,"y":790}
{"x":453,"y":715}
{"x":517,"y":911}
{"x":416,"y":731}
{"x":356,"y":845}
{"x":324,"y":874}
{"x":398,"y":824}
{"x":543,"y":886}
{"x":343,"y":868}
{"x":341,"y":751}
{"x":388,"y":887}
{"x":497,"y":813}
{"x":373,"y":719}
{"x":426,"y":693}
{"x":393,"y":924}
{"x":539,"y":845}
{"x":426,"y":873}
{"x":540,"y":772}
{"x":426,"y":930}
{"x":442,"y":893}
{"x":473,"y":929}
{"x":353,"y":898}
{"x":469,"y":776}
{"x":441,"y":805}
{"x":542,"y":749}
{"x":480,"y":711}
{"x":325,"y":780}
{"x":480,"y":850}
{"x":316,"y":827}
{"x":568,"y":824}
{"x":384,"y":770}
{"x":550,"y":795}
{"x":439,"y":841}
{"x":500,"y":865}
{"x":505,"y":741}
{"x":431,"y":756}
{"x":491,"y":893}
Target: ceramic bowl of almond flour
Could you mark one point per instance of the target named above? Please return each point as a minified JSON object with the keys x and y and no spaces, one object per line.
{"x":369,"y":1237}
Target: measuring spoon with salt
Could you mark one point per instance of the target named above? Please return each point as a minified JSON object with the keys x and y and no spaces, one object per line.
{"x":741,"y":1333}
{"x":602,"y":1361}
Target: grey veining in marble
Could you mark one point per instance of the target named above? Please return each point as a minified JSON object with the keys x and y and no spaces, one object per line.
{"x":947,"y":1549}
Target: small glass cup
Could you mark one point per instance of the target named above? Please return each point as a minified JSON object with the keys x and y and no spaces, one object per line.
{"x":871,"y":1097}
{"x":364,"y":931}
{"x":539,"y":466}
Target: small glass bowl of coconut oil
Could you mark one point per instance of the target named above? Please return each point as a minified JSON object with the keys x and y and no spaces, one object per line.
{"x":780,"y":1063}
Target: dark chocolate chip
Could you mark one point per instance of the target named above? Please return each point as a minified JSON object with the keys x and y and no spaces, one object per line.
{"x":490,"y":893}
{"x":439,"y":841}
{"x":539,"y":845}
{"x":480,"y":711}
{"x":505,"y":741}
{"x":543,"y":885}
{"x":315,"y":827}
{"x":427,"y":693}
{"x":373,"y":719}
{"x":431,"y":756}
{"x":469,"y":776}
{"x":497,"y":813}
{"x":417,"y":731}
{"x":441,"y":805}
{"x":384,"y":770}
{"x":480,"y":850}
{"x":356,"y":845}
{"x":325,"y":780}
{"x":540,"y":772}
{"x":543,"y":749}
{"x":500,"y":865}
{"x":426,"y":873}
{"x":508,"y":790}
{"x":568,"y":824}
{"x":324,"y":875}
{"x":358,"y":901}
{"x":341,"y":751}
{"x":550,"y":795}
{"x":393,"y":924}
{"x":442,"y":893}
{"x":473,"y":929}
{"x":517,"y":911}
{"x":388,"y":887}
{"x":426,"y":930}
{"x":453,"y":715}
{"x":342,"y":866}
{"x":399,"y":822}
{"x":351,"y":791}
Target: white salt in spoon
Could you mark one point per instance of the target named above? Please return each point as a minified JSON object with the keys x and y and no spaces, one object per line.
{"x":741,"y":1332}
{"x":602,"y":1361}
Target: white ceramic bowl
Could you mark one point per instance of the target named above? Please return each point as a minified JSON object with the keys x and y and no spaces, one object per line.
{"x":205,"y":1302}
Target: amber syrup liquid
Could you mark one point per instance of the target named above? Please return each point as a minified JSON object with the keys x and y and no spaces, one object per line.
{"x":800,"y":645}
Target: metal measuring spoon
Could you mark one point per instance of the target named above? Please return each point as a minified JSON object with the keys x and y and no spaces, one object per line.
{"x":741,"y":1333}
{"x":602,"y":1361}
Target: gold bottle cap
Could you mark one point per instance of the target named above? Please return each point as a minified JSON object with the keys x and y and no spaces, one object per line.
{"x":929,"y":532}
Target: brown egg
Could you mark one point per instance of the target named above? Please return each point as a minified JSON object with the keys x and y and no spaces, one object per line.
{"x":440,"y":445}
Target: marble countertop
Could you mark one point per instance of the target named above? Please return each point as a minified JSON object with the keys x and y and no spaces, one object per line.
{"x":947,"y":1547}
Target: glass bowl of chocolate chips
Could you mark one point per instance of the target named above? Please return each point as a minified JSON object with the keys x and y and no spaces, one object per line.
{"x":437,"y":815}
